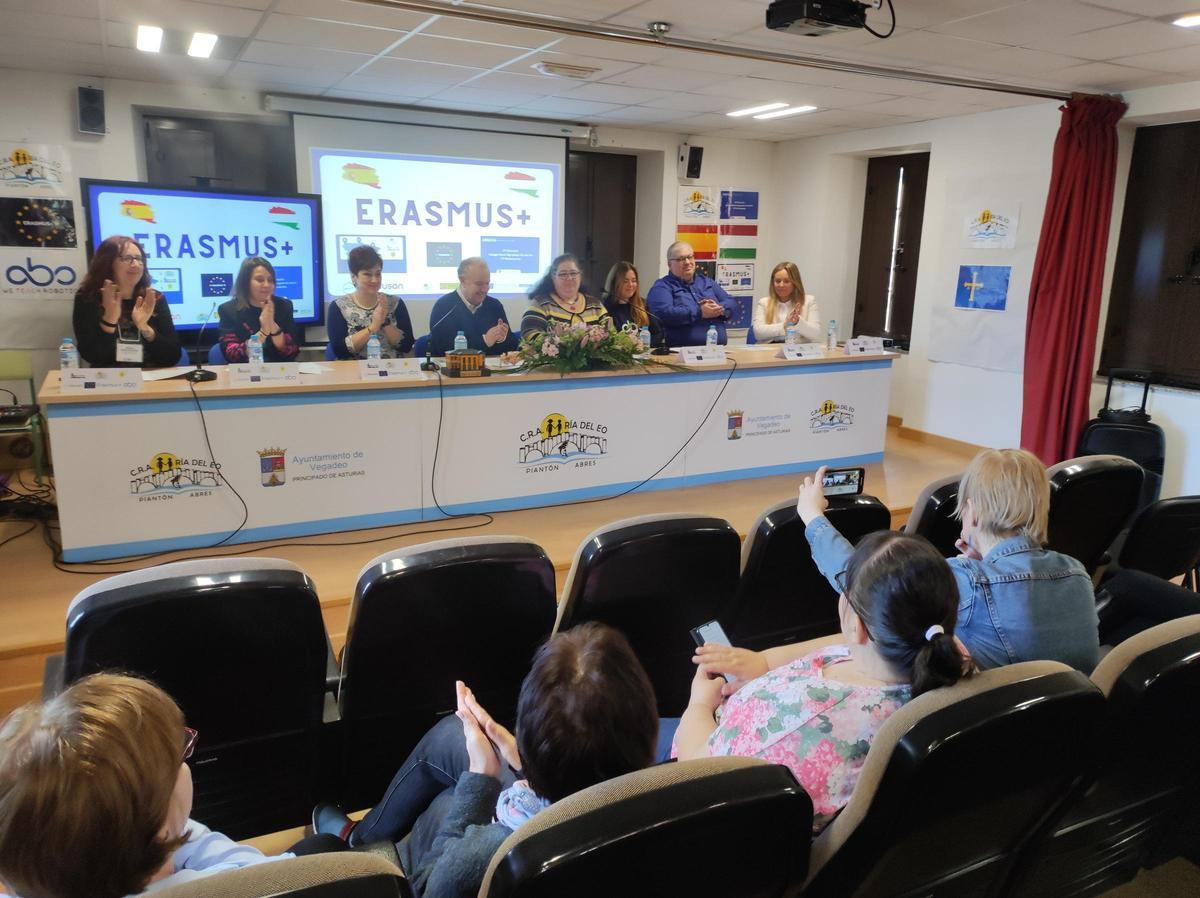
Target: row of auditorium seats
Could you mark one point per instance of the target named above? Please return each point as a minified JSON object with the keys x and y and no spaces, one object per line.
{"x":1028,"y":781}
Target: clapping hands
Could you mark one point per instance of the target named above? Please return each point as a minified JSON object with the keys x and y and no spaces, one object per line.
{"x":143,"y":308}
{"x":487,"y":741}
{"x":110,"y":302}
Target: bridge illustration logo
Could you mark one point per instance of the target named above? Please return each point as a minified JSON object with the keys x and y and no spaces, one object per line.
{"x":558,"y":439}
{"x":168,"y":474}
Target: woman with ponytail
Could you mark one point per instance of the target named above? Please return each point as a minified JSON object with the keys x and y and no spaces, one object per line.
{"x":817,"y":706}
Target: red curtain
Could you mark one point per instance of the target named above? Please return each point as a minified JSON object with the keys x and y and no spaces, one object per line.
{"x":1064,"y":297}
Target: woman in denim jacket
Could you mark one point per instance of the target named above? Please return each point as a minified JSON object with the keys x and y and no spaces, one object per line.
{"x":1017,"y":600}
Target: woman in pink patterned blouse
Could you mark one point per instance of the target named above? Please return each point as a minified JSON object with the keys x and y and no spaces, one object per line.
{"x":817,"y":706}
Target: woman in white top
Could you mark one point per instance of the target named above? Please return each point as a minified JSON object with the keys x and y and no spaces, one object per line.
{"x":786,"y":305}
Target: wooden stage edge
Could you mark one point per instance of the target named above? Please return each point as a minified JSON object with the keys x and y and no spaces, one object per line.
{"x":36,"y":595}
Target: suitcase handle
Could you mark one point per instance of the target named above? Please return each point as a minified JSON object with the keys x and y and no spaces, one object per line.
{"x":1136,"y":375}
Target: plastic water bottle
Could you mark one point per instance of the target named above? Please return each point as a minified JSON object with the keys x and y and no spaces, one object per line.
{"x":712,"y":338}
{"x":831,"y":335}
{"x":460,"y":341}
{"x":254,"y":350}
{"x":373,"y":349}
{"x":792,"y":337}
{"x":644,"y":336}
{"x":68,"y":355}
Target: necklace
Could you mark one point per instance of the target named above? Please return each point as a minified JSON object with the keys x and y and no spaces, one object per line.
{"x":568,"y":306}
{"x":370,"y":308}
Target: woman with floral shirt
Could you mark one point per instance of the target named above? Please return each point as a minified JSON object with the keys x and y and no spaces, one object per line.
{"x":817,"y":707}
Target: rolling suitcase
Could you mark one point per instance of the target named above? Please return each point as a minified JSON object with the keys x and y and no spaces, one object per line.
{"x":1128,"y":432}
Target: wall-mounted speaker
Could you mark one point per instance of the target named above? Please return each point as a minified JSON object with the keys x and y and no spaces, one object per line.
{"x":91,"y":110}
{"x":690,"y":158}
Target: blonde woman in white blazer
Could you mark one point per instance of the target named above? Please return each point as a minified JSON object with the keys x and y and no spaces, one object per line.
{"x":787,"y":305}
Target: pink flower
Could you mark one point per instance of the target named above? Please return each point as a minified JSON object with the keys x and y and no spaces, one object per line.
{"x":550,"y":349}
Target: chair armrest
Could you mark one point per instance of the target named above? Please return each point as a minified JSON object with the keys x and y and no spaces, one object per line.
{"x":333,"y":675}
{"x":52,"y":676}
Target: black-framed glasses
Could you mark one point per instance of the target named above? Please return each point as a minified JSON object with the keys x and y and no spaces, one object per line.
{"x":567,"y":275}
{"x":683,"y":259}
{"x":189,"y":742}
{"x":130,"y":259}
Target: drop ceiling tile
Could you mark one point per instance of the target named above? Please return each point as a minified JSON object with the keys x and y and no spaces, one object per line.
{"x":599,"y":48}
{"x":741,"y":134}
{"x":534,"y":84}
{"x":1098,"y":74}
{"x":1018,"y":62}
{"x":1016,"y":25}
{"x":1157,"y":80}
{"x":1120,"y":40}
{"x":566,"y":106}
{"x":690,"y":102}
{"x":456,"y":52}
{"x":929,"y":13}
{"x":498,"y":99}
{"x":605,"y":68}
{"x":581,"y":10}
{"x":1181,"y":60}
{"x":270,"y":53}
{"x":398,"y":87}
{"x":182,"y":15}
{"x":689,"y":20}
{"x":434,"y":72}
{"x":255,"y":73}
{"x":707,"y":122}
{"x":488,"y":32}
{"x":349,"y":11}
{"x":795,"y":44}
{"x":614,"y":93}
{"x":88,"y":9}
{"x":653,"y":76}
{"x":917,"y":107}
{"x":928,"y":47}
{"x":1151,"y":8}
{"x":55,"y":53}
{"x":643,"y":115}
{"x":303,"y":32}
{"x":708,"y":62}
{"x":78,"y":29}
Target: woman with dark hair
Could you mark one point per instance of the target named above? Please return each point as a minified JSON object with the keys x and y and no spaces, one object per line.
{"x":586,"y":713}
{"x":356,"y":317}
{"x":255,"y":311}
{"x":119,"y":319}
{"x":558,"y":299}
{"x":624,"y":301}
{"x":817,"y":706}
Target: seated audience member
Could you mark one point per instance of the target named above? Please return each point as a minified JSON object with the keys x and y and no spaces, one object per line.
{"x":120,"y":320}
{"x":558,"y":299}
{"x":586,"y":714}
{"x":1017,"y":600}
{"x":787,"y":305}
{"x":353,"y":318}
{"x":255,"y":310}
{"x":471,"y":310}
{"x":817,"y":710}
{"x":1133,"y":601}
{"x":687,"y":301}
{"x":95,"y":797}
{"x":624,"y":301}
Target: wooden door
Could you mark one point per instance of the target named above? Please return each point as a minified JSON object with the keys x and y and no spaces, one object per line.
{"x":601,"y":198}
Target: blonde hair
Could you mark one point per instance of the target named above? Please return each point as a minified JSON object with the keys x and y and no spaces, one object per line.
{"x":773,"y":300}
{"x":1009,"y":493}
{"x":86,"y":781}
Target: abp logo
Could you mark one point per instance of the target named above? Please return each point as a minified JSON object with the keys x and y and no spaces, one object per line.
{"x":35,"y":274}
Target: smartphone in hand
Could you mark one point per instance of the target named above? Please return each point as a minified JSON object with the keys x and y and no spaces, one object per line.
{"x":843,"y":482}
{"x":710,"y":632}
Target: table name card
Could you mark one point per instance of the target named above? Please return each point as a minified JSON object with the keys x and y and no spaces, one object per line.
{"x":248,"y":375}
{"x":802,"y":351}
{"x":390,"y":369}
{"x":702,"y":355}
{"x":100,"y":380}
{"x":860,"y":345}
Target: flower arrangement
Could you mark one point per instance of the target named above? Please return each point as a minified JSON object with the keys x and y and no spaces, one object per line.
{"x":579,"y":347}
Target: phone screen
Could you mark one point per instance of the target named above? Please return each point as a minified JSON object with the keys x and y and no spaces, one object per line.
{"x":843,"y":482}
{"x":710,"y":632}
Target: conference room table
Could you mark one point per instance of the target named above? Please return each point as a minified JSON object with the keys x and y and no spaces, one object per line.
{"x":171,"y":465}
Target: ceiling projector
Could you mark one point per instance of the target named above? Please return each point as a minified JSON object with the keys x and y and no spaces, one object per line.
{"x":814,"y":18}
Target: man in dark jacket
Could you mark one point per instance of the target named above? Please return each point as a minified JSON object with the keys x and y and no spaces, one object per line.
{"x":469,"y":309}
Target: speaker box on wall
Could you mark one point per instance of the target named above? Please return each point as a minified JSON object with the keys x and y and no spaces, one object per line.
{"x":690,"y":158}
{"x":91,"y":110}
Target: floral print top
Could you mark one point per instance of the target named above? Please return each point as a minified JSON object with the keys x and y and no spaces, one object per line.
{"x":801,"y":716}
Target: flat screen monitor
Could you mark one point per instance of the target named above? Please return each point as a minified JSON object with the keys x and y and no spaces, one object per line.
{"x":195,"y":241}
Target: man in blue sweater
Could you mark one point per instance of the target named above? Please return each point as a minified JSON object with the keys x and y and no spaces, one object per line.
{"x":687,"y":301}
{"x":469,"y":309}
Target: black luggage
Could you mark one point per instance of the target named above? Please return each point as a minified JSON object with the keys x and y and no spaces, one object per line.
{"x":1128,"y":432}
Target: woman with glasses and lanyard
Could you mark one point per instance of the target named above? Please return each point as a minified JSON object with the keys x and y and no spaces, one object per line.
{"x":816,"y":706}
{"x":558,"y":299}
{"x":119,"y":319}
{"x":95,"y":797}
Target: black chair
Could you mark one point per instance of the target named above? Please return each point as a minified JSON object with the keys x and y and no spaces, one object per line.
{"x":241,"y":646}
{"x":933,"y":515}
{"x":957,"y":782}
{"x":1143,"y":443}
{"x":1142,"y":807}
{"x":1165,"y":541}
{"x":733,"y":827}
{"x":1092,"y":499}
{"x":782,"y":596}
{"x":342,"y":874}
{"x":654,"y":578}
{"x":473,"y":609}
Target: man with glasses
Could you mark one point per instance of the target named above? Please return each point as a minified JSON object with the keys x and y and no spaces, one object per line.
{"x":471,"y":310}
{"x":688,"y":301}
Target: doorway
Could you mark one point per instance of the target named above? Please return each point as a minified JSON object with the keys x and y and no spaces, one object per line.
{"x":601,"y":197}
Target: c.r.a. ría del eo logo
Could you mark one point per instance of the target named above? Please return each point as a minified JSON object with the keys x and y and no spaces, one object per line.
{"x":559,"y":441}
{"x":830,"y":415}
{"x":168,"y":475}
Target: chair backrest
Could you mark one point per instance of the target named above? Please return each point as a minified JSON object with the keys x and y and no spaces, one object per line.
{"x":751,"y":339}
{"x":342,"y":874}
{"x":240,"y":644}
{"x":419,"y":346}
{"x":473,"y":609}
{"x":654,"y":578}
{"x":933,"y":515}
{"x":643,"y":834}
{"x":1145,"y":444}
{"x":957,"y":780}
{"x":216,"y":356}
{"x":1148,"y":778}
{"x":330,"y":355}
{"x":1165,"y":538}
{"x":185,"y":360}
{"x":782,"y":596}
{"x":1091,"y":500}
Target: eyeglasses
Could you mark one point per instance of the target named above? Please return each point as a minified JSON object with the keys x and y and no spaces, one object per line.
{"x":567,"y":275}
{"x":683,"y":259}
{"x":131,"y":260}
{"x":189,"y":742}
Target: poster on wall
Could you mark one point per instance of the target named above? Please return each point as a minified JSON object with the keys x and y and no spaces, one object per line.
{"x":738,"y":248}
{"x":33,"y":222}
{"x":35,"y":169}
{"x":992,"y":227}
{"x":697,"y":205}
{"x":982,"y":288}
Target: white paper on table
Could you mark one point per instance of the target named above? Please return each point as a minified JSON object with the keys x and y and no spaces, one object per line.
{"x":165,"y":373}
{"x":312,"y":368}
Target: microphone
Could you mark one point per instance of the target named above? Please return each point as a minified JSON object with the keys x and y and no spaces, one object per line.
{"x":429,"y":364}
{"x":199,"y":375}
{"x":661,"y":348}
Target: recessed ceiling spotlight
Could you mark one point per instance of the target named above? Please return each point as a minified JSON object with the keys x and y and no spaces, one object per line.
{"x":202,"y":45}
{"x":765,"y":107}
{"x":563,"y":70}
{"x":1188,"y":21}
{"x":792,"y":110}
{"x":149,"y":38}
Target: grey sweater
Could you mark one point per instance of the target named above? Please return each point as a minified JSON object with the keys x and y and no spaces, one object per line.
{"x":455,"y":865}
